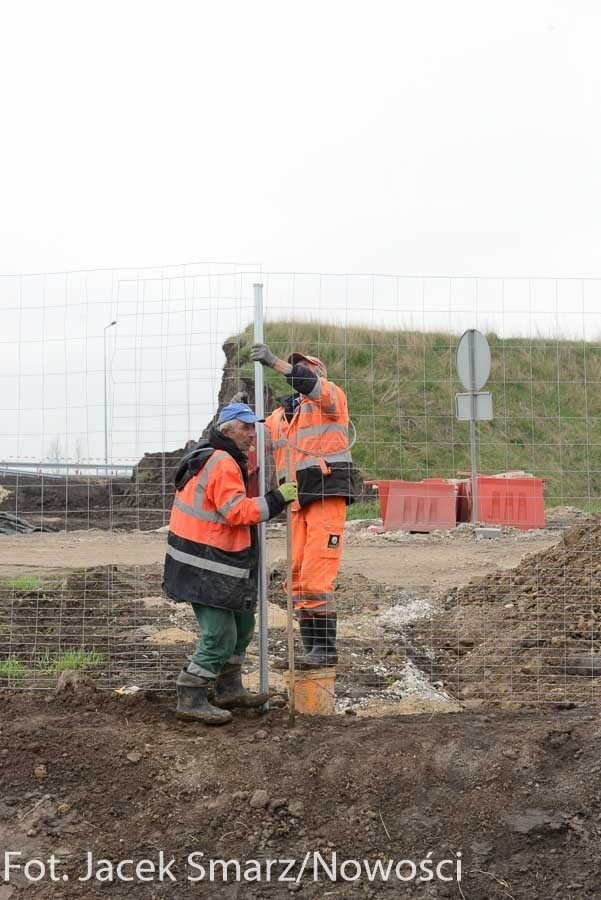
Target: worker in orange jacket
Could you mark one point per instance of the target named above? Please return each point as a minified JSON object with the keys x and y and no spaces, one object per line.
{"x":212,"y":563}
{"x":309,"y":437}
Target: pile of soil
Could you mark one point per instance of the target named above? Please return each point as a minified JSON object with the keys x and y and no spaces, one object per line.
{"x":354,"y":594}
{"x":530,"y":633}
{"x":152,"y":486}
{"x":76,"y":503}
{"x":564,"y":516}
{"x":517,"y":795}
{"x":142,"y":502}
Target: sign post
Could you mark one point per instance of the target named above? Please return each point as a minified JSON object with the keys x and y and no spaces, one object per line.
{"x":473,"y":368}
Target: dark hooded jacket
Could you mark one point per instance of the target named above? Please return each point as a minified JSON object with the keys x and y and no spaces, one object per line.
{"x":212,"y":551}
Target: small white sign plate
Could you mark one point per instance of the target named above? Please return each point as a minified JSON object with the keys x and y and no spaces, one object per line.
{"x":482,"y":406}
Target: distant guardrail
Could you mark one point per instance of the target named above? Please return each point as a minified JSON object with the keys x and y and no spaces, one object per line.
{"x":62,"y":470}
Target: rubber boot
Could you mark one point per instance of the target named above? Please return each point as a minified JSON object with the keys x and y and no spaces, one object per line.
{"x":192,"y":702}
{"x":307,"y":631}
{"x":323,"y":652}
{"x":305,"y":624}
{"x":230,"y":693}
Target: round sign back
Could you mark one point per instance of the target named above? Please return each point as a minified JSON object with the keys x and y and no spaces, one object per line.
{"x":473,"y":360}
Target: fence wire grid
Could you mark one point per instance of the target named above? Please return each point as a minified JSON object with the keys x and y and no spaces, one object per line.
{"x":108,"y":376}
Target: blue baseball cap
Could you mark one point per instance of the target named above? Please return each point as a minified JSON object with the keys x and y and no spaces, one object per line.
{"x":237,"y":411}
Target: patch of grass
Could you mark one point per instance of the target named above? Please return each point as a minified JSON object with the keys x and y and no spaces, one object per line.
{"x":43,"y":663}
{"x":589,"y":506}
{"x":369,"y":510}
{"x":70,"y":660}
{"x":24,"y":583}
{"x":12,"y":670}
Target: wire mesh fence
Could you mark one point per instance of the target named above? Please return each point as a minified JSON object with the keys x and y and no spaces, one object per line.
{"x":108,"y":377}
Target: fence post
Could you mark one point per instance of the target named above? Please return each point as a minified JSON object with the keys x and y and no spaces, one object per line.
{"x":262,"y":528}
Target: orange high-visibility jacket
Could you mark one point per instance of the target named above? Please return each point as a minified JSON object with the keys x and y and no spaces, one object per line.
{"x":315,"y":443}
{"x":211,"y":547}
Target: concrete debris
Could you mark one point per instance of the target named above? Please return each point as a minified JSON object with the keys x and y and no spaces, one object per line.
{"x":415,"y":682}
{"x":410,"y":610}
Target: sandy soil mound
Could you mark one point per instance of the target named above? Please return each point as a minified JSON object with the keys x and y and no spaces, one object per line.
{"x":533,"y":632}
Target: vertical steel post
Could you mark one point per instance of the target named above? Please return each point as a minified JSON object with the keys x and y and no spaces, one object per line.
{"x":260,"y":412}
{"x":290,"y":606}
{"x":473,"y":416}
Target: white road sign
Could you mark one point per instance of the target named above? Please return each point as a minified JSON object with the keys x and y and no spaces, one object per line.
{"x":473,"y":360}
{"x":473,"y":406}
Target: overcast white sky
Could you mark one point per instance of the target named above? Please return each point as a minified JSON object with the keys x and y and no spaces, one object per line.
{"x":427,"y":137}
{"x":430,"y":138}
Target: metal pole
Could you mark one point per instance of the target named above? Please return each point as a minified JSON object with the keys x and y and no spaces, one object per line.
{"x":106,"y":427}
{"x":474,"y":469}
{"x":260,"y":412}
{"x":290,"y":607}
{"x":473,"y":447}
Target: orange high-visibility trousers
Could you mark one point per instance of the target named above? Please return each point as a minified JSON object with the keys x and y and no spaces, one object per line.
{"x":317,"y":539}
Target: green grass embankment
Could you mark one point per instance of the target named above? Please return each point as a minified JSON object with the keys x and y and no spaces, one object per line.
{"x":401,"y":387}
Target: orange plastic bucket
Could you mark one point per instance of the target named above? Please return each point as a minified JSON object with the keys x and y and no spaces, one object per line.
{"x":314,"y":692}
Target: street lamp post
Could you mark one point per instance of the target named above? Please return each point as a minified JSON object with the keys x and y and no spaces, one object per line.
{"x":106,"y":427}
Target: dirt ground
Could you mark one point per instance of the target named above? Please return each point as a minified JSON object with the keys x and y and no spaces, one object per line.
{"x":512,"y":786}
{"x":100,"y":592}
{"x":75,"y":504}
{"x":517,"y":795}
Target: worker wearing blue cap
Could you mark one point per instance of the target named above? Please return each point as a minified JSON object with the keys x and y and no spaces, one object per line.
{"x":238,"y":411}
{"x":212,"y":563}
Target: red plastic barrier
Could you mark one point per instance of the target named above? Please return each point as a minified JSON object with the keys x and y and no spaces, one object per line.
{"x":511,"y":501}
{"x":434,"y":503}
{"x":427,"y":505}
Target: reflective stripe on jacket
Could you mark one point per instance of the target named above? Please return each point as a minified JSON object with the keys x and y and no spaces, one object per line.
{"x":211,"y":548}
{"x":315,"y":443}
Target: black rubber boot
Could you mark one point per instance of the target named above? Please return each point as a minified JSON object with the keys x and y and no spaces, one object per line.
{"x":192,"y":702}
{"x":305,"y":624}
{"x":307,"y":631}
{"x":230,"y":693}
{"x":323,"y":652}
